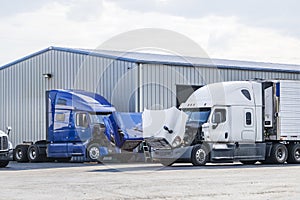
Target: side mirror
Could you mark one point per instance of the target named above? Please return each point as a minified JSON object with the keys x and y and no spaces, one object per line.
{"x":8,"y":129}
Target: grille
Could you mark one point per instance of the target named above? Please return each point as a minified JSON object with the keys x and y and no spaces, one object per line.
{"x":3,"y":143}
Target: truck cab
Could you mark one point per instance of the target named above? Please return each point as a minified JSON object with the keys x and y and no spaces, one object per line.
{"x":79,"y":123}
{"x":6,"y":148}
{"x":224,"y":124}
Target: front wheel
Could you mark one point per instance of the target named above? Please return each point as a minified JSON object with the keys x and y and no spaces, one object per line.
{"x":3,"y":163}
{"x":93,"y":152}
{"x":200,"y":155}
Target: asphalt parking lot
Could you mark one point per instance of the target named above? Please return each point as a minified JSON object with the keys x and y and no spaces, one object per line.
{"x":148,"y":181}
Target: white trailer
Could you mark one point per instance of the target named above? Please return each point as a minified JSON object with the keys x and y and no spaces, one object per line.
{"x":246,"y":121}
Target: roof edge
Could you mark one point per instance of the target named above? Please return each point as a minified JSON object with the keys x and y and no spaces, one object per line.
{"x":91,"y":53}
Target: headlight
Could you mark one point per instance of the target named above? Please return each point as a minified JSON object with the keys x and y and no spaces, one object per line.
{"x":176,"y":142}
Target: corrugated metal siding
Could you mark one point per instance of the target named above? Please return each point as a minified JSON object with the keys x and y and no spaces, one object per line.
{"x":22,"y":94}
{"x":159,"y":81}
{"x":22,"y":90}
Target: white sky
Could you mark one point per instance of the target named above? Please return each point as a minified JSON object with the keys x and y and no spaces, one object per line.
{"x":242,"y":30}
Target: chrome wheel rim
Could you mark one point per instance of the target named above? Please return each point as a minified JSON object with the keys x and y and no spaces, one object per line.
{"x":94,"y":153}
{"x":200,"y":155}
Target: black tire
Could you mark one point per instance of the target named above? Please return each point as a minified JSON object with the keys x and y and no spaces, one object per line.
{"x":3,"y":163}
{"x":33,"y":154}
{"x":279,"y":154}
{"x":167,"y":162}
{"x":248,"y":162}
{"x":200,"y":155}
{"x":93,"y":152}
{"x":20,"y":153}
{"x":294,"y":154}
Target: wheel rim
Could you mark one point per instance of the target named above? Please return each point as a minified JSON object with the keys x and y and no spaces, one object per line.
{"x":19,"y":154}
{"x":32,"y":154}
{"x":297,"y":154}
{"x":281,"y":154}
{"x":200,"y":155}
{"x":94,"y":153}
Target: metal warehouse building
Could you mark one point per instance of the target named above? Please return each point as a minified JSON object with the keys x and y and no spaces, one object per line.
{"x":131,"y":81}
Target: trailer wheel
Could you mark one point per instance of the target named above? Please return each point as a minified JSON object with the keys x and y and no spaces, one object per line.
{"x":20,"y":153}
{"x":279,"y":154}
{"x":294,"y":154}
{"x":93,"y":152}
{"x":199,"y":155}
{"x":33,"y":153}
{"x":3,"y":163}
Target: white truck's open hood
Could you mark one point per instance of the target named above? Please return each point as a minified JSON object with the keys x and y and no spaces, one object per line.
{"x":164,"y":128}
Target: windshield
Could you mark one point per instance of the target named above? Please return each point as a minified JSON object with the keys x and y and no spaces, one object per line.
{"x":199,"y":115}
{"x":97,"y":118}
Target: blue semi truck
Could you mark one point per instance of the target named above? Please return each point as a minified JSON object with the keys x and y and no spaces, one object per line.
{"x":85,"y":124}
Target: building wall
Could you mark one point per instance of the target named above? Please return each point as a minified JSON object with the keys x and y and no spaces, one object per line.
{"x":23,"y":88}
{"x":129,"y":86}
{"x":159,"y":81}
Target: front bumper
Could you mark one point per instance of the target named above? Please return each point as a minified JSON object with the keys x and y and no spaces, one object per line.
{"x":6,"y":155}
{"x":179,"y":154}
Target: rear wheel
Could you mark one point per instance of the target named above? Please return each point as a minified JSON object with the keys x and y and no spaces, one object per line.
{"x":294,"y":154}
{"x":20,"y":153}
{"x":199,"y":155}
{"x":33,"y":154}
{"x":3,"y":163}
{"x":279,"y":154}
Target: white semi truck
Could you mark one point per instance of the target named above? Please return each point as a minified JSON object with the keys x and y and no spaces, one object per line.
{"x":246,"y":121}
{"x":6,"y":148}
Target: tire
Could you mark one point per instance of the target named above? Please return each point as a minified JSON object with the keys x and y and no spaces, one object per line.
{"x":20,"y":153}
{"x":294,"y":154}
{"x":200,"y":155}
{"x":3,"y":163}
{"x":33,"y":154}
{"x":93,"y":152}
{"x":279,"y":154}
{"x":248,"y":162}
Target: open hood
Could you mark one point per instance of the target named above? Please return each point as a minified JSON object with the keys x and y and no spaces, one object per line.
{"x":164,"y":128}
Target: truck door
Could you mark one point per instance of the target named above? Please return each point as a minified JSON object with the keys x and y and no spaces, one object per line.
{"x":248,"y":133}
{"x":220,"y":125}
{"x":82,"y":125}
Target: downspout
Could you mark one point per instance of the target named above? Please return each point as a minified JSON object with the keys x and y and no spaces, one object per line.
{"x":139,"y":97}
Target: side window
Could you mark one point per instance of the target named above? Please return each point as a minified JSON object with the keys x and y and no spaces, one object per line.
{"x":82,"y":120}
{"x":219,"y":116}
{"x":248,"y":118}
{"x":246,"y":93}
{"x":60,"y":117}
